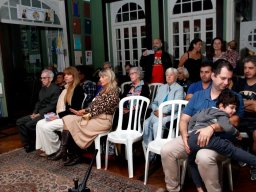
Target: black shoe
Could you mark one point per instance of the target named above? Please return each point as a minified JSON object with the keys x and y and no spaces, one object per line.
{"x":73,"y":161}
{"x":29,"y":148}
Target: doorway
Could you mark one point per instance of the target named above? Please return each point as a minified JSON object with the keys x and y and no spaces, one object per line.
{"x":22,"y":50}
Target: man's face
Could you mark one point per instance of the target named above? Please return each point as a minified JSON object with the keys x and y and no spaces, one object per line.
{"x":222,"y":80}
{"x":205,"y":74}
{"x":156,"y":44}
{"x":46,"y":80}
{"x":249,"y":70}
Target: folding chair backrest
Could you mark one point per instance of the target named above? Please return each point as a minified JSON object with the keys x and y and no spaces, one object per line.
{"x":138,"y":108}
{"x":153,"y":87}
{"x":176,"y":107}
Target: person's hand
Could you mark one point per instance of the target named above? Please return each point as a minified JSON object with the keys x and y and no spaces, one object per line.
{"x":126,"y":110}
{"x":80,"y":112}
{"x":87,"y":116}
{"x":156,"y":113}
{"x":34,"y":115}
{"x":145,"y":53}
{"x":239,"y":136}
{"x":185,"y":141}
{"x":204,"y":136}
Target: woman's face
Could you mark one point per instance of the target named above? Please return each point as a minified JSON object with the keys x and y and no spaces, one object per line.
{"x":104,"y":80}
{"x":170,"y":78}
{"x":133,"y":76}
{"x":198,"y":46}
{"x":217,"y":44}
{"x":68,"y":78}
{"x":180,"y":75}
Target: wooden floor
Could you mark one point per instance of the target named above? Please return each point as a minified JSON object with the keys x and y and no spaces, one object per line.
{"x":9,"y":140}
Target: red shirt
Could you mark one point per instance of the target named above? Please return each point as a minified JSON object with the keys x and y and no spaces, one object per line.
{"x":158,"y":69}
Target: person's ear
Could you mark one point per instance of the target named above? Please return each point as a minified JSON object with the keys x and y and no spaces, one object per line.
{"x":221,"y":106}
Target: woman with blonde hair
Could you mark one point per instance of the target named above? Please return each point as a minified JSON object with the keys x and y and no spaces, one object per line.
{"x":47,"y":141}
{"x":81,"y":129}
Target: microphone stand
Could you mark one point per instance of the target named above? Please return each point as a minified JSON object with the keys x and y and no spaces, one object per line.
{"x":82,"y":186}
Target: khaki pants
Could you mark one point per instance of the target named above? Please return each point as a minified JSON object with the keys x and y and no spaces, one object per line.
{"x":207,"y":161}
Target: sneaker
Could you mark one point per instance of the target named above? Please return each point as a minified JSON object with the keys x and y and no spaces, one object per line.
{"x":253,"y":173}
{"x":242,"y":164}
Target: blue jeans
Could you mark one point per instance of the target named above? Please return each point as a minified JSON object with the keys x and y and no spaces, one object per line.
{"x":222,"y":146}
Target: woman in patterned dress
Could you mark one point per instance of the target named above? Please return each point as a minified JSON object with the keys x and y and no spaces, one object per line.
{"x":81,"y":129}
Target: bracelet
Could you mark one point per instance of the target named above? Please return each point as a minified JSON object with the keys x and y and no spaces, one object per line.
{"x":212,"y":128}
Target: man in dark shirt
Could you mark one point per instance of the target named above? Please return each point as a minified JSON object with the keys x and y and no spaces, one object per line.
{"x":46,"y":103}
{"x":247,"y":88}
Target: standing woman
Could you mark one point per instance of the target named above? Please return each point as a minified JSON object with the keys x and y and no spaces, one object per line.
{"x":192,"y":59}
{"x":81,"y":129}
{"x":217,"y":50}
{"x":47,"y":141}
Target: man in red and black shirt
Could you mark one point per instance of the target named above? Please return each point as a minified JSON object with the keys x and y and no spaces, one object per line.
{"x":155,"y":62}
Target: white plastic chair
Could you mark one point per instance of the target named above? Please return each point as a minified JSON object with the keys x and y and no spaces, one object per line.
{"x":132,"y":132}
{"x":98,"y":146}
{"x":123,"y":85}
{"x":156,"y":145}
{"x":153,"y":87}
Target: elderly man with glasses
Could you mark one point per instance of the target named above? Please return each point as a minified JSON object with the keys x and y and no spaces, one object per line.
{"x":48,"y":96}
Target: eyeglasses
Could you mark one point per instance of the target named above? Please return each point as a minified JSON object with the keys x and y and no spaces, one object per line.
{"x":43,"y":78}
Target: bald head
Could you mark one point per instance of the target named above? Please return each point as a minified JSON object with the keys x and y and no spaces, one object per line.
{"x":157,"y":44}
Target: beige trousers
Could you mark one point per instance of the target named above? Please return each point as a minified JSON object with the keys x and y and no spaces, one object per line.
{"x":207,"y":161}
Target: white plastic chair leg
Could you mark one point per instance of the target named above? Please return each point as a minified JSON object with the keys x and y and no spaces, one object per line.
{"x":230,"y":176}
{"x":183,"y":173}
{"x":130,"y":160}
{"x":106,"y":155}
{"x":98,"y":156}
{"x":146,"y":168}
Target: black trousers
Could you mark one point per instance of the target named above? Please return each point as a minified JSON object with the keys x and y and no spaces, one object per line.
{"x":27,"y":127}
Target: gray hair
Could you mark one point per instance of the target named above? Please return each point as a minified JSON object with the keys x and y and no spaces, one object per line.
{"x":172,"y":70}
{"x":107,"y":63}
{"x":138,"y":71}
{"x":49,"y":72}
{"x":184,"y":70}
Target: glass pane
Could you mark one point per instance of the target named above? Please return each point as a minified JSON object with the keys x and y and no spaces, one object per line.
{"x":119,"y":55}
{"x":209,"y":37}
{"x":197,"y":25}
{"x":143,"y":30}
{"x":125,"y":16}
{"x":186,"y":39}
{"x":134,"y":32}
{"x":176,"y":40}
{"x":254,"y":44}
{"x":25,"y":2}
{"x":14,"y":13}
{"x":134,"y":44}
{"x":4,"y":13}
{"x":126,"y":44}
{"x":250,"y":38}
{"x":176,"y":52}
{"x":118,"y":44}
{"x":186,"y":8}
{"x":209,"y":23}
{"x":207,"y":4}
{"x":185,"y":26}
{"x":254,"y":37}
{"x":133,"y":15}
{"x":143,"y":42}
{"x":127,"y":55}
{"x":118,"y":35}
{"x":197,"y":6}
{"x":14,"y":2}
{"x":36,"y":3}
{"x":176,"y":9}
{"x":141,"y":14}
{"x":135,"y":54}
{"x":175,"y":27}
{"x":126,"y":32}
{"x":133,"y":6}
{"x":125,"y":8}
{"x":44,"y":6}
{"x":197,"y":35}
{"x":118,"y":18}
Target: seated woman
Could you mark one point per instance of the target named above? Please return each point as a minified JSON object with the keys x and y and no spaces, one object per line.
{"x":183,"y":78}
{"x":81,"y":129}
{"x":47,"y":141}
{"x":169,"y":91}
